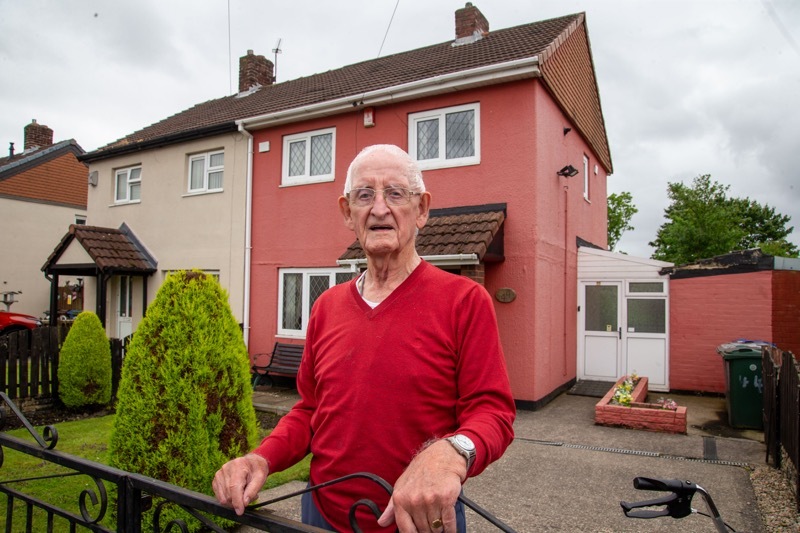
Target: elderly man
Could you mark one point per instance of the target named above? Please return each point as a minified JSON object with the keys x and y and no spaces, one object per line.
{"x":403,"y":374}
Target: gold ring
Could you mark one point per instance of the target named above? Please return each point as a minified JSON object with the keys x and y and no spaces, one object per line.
{"x":436,"y":524}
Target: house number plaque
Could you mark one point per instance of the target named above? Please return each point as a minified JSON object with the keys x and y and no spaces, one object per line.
{"x":505,"y":295}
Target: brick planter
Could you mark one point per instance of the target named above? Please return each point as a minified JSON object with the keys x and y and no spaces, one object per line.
{"x":640,"y":415}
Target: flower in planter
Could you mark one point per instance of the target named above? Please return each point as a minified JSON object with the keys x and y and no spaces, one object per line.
{"x":622,"y":397}
{"x":667,"y":403}
{"x":623,"y":394}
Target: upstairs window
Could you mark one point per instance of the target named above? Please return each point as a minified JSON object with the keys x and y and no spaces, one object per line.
{"x":309,"y":157}
{"x":206,"y":172}
{"x":128,"y":185}
{"x":448,"y":137}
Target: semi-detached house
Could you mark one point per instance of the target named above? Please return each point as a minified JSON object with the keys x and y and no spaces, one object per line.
{"x":506,"y":124}
{"x":42,"y":191}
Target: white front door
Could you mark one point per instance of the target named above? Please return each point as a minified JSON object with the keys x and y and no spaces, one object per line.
{"x":125,"y":307}
{"x":599,"y":348}
{"x":622,"y":330}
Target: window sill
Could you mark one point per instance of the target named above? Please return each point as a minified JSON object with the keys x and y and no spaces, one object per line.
{"x":294,"y":336}
{"x":447,"y":163}
{"x":120,"y":204}
{"x":306,"y":181}
{"x":201,"y":193}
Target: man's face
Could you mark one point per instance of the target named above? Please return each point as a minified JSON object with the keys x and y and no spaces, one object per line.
{"x":384,"y":231}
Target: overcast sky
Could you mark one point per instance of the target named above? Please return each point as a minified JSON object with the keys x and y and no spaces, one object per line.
{"x":688,"y":87}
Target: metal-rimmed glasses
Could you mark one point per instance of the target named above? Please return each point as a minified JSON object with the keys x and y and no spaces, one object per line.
{"x":393,"y":196}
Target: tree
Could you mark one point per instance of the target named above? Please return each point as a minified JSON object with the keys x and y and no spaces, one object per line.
{"x":702,"y":222}
{"x":764,"y":228}
{"x":84,"y":366}
{"x":620,"y":212}
{"x":185,"y":400}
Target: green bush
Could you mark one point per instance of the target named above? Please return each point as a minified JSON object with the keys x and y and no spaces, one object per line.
{"x":84,"y":366}
{"x":184,"y":402}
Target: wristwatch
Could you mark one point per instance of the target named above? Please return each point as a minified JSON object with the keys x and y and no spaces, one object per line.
{"x":464,"y":446}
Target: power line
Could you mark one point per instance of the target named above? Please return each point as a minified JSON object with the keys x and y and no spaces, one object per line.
{"x":388,"y":27}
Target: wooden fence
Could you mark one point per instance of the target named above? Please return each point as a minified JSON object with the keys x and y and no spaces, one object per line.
{"x":29,"y":362}
{"x":782,"y":413}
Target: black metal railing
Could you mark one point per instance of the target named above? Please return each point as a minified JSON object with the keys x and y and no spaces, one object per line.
{"x":116,"y":500}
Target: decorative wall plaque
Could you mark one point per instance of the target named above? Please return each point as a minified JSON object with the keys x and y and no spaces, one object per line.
{"x":505,"y":295}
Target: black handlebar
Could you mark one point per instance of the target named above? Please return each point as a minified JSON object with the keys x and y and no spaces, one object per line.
{"x":678,"y":504}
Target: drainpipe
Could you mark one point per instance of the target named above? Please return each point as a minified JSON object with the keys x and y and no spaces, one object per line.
{"x":248,"y":217}
{"x":566,"y":275}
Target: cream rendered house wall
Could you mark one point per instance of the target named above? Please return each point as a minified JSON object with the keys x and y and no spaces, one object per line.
{"x":181,"y":230}
{"x":32,"y":230}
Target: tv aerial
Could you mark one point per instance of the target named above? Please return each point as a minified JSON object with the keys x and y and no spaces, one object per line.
{"x":277,"y":50}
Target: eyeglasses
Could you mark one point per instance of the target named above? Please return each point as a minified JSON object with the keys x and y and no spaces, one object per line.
{"x":394,"y":196}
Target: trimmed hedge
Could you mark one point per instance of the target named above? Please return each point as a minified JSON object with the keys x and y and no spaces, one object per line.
{"x":184,"y":402}
{"x":84,"y":366}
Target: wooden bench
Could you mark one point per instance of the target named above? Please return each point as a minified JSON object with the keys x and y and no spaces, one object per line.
{"x":284,"y":359}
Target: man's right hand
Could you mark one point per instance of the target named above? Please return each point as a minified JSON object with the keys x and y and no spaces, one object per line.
{"x":237,"y":483}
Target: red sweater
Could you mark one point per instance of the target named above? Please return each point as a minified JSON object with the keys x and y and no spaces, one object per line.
{"x":378,"y":383}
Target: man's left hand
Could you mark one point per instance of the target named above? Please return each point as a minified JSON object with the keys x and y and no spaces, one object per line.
{"x":425,"y":494}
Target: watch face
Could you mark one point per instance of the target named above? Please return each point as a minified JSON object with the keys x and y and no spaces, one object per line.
{"x":465,"y":442}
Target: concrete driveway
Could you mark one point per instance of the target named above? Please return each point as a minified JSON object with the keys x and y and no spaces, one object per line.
{"x":564,"y":473}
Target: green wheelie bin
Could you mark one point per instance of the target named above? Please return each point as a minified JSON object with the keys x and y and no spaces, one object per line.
{"x":744,"y":384}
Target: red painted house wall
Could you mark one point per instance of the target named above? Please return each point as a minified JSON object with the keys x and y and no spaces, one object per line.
{"x":522,"y":146}
{"x":711,"y":310}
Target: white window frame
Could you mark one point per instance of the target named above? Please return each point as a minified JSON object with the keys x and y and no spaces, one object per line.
{"x":305,"y":294}
{"x":207,"y":169}
{"x":440,"y":114}
{"x":586,"y":177}
{"x":128,"y":184}
{"x":306,"y":177}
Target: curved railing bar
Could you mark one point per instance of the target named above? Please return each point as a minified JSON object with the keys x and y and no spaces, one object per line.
{"x":49,"y":437}
{"x":101,"y":488}
{"x":365,"y":475}
{"x":486,"y":515}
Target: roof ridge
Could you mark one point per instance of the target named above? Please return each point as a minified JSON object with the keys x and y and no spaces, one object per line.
{"x":428,"y":62}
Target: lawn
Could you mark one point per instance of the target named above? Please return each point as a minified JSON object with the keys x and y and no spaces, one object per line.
{"x":87,"y":438}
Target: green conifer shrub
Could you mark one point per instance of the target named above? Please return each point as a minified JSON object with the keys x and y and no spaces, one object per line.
{"x":84,"y":366}
{"x":184,"y":403}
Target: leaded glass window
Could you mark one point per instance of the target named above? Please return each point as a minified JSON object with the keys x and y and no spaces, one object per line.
{"x":445,"y":137}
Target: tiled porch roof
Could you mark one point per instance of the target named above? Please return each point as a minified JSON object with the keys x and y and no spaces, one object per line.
{"x":456,"y":231}
{"x":112,"y":250}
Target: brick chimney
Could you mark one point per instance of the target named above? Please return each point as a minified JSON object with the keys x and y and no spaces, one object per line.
{"x":254,"y":70}
{"x":470,"y":23}
{"x":37,"y":135}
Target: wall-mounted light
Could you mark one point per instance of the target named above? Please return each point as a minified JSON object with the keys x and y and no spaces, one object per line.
{"x":568,"y":171}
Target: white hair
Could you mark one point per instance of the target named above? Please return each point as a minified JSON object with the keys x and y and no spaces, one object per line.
{"x":412,"y":171}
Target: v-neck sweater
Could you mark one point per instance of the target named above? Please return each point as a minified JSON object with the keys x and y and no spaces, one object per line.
{"x":376,"y":384}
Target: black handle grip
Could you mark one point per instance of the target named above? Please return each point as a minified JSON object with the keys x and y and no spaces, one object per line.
{"x":677,"y":504}
{"x":672,"y":485}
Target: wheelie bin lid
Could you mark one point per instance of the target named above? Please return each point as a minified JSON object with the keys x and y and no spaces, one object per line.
{"x":741,"y":348}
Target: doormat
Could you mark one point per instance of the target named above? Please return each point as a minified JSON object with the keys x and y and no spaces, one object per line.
{"x":596,"y":389}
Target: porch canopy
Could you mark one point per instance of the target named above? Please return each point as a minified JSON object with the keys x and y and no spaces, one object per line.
{"x":453,"y":237}
{"x":92,"y":251}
